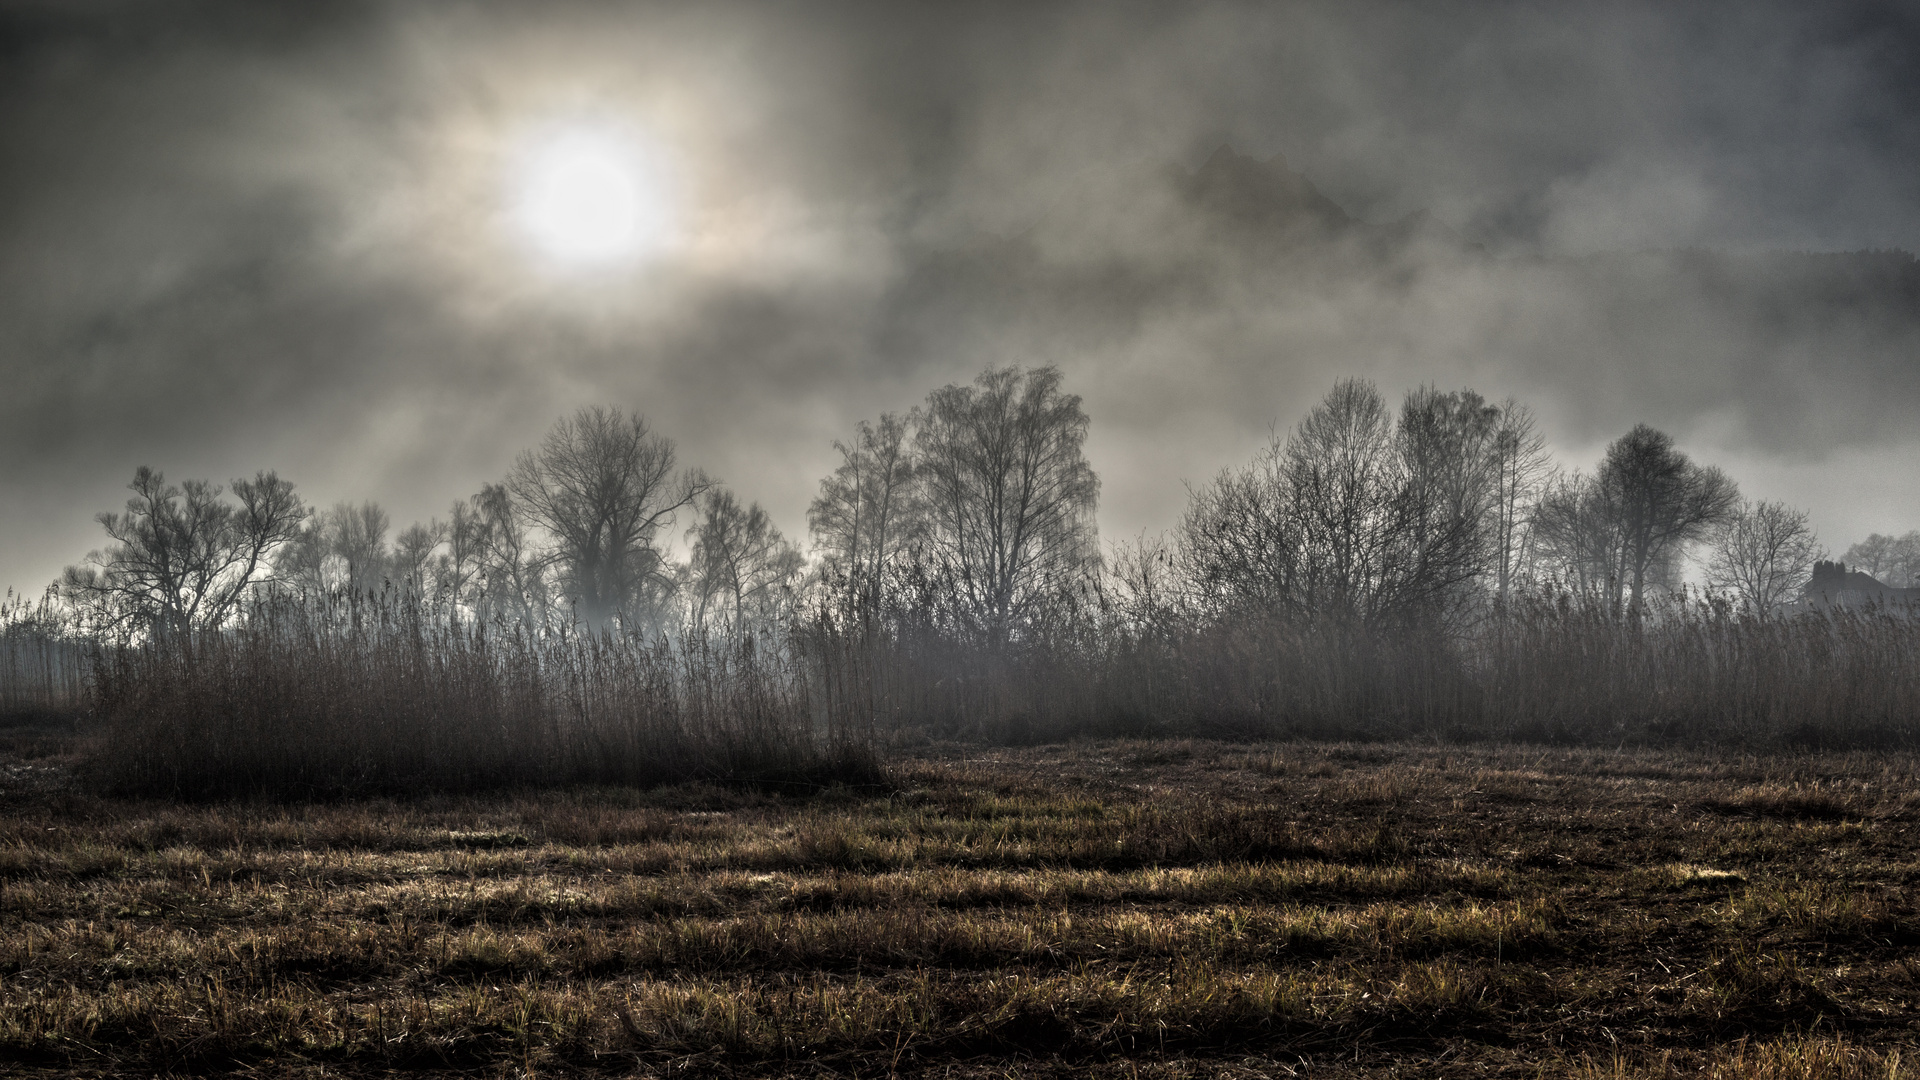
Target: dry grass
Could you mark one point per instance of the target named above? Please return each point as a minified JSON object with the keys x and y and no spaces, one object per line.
{"x":1817,"y":1058}
{"x":1172,"y":909}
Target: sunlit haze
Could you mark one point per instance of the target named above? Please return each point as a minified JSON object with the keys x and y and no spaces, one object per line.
{"x":589,"y":198}
{"x":382,"y":247}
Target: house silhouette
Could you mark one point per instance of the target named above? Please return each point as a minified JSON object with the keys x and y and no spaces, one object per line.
{"x":1833,"y":585}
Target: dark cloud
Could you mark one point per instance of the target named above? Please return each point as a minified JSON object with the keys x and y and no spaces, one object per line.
{"x":236,"y":235}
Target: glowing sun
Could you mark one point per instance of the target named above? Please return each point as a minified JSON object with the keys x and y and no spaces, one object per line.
{"x":587,"y":197}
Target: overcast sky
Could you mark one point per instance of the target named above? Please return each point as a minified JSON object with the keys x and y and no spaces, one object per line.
{"x":237,"y":236}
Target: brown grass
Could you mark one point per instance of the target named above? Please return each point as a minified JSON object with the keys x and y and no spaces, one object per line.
{"x":1103,"y":909}
{"x":1815,"y":1058}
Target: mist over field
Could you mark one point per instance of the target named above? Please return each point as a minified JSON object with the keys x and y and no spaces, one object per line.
{"x":236,"y":237}
{"x":1071,"y":540}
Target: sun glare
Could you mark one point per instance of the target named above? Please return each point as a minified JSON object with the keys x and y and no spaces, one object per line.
{"x":589,"y":198}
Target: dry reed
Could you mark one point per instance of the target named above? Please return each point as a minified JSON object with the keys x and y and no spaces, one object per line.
{"x":338,"y":696}
{"x":1547,"y":668}
{"x":351,"y":696}
{"x":43,"y":664}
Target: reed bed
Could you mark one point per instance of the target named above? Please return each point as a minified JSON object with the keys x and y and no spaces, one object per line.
{"x":1555,"y":668}
{"x":43,"y":664}
{"x":361,"y":696}
{"x":335,"y":696}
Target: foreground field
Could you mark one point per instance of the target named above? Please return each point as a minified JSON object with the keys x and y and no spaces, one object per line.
{"x":1112,"y":909}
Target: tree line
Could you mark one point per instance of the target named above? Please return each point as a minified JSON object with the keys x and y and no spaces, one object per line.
{"x":1894,"y":561}
{"x":973,"y":512}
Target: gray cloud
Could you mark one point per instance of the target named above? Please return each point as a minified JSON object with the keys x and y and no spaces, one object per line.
{"x":236,"y":236}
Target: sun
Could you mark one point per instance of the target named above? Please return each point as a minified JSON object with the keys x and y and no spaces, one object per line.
{"x":588,"y":197}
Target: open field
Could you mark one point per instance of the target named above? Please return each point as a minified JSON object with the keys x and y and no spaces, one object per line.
{"x":1092,"y":909}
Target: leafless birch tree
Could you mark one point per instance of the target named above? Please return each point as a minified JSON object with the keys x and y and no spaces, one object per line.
{"x":1009,"y":495}
{"x":869,"y":512}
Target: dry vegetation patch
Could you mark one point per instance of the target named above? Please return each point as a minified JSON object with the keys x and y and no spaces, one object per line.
{"x":1175,"y":909}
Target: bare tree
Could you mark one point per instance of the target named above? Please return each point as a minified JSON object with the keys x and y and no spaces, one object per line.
{"x":1577,"y":532}
{"x":1904,"y":571}
{"x":1872,"y":556}
{"x":412,"y":556}
{"x":307,"y":562}
{"x":1354,"y":518}
{"x":511,"y":576}
{"x":183,"y":558}
{"x":341,"y":549}
{"x":603,"y":487}
{"x":1762,"y":554}
{"x":1626,"y":529}
{"x":1449,"y":450}
{"x":739,"y":556}
{"x":1342,"y":486}
{"x":1009,"y":495}
{"x":359,"y":539}
{"x":869,"y":512}
{"x":1392,"y":524}
{"x":1522,"y":471}
{"x":460,"y":566}
{"x":1143,"y":585}
{"x":1239,"y":549}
